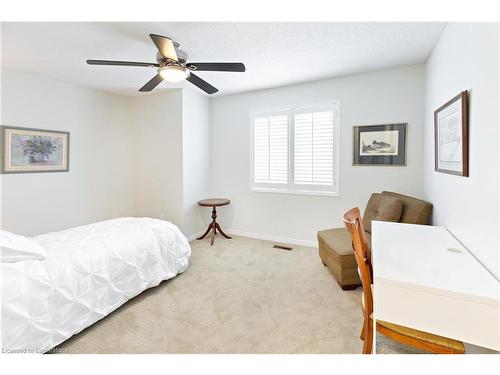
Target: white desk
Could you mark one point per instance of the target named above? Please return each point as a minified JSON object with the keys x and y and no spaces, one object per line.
{"x":422,"y":284}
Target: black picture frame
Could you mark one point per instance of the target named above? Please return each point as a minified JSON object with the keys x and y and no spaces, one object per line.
{"x":389,"y":154}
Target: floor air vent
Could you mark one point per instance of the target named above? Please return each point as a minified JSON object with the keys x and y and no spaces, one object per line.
{"x":282,"y":247}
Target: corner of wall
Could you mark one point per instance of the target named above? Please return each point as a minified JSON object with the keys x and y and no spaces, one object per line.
{"x":196,"y":159}
{"x":446,"y":75}
{"x":498,"y":124}
{"x":157,"y":134}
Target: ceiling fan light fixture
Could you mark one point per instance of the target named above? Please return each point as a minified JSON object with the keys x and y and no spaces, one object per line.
{"x":173,"y":73}
{"x":172,"y":64}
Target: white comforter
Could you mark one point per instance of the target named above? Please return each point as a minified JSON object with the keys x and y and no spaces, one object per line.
{"x":89,"y":272}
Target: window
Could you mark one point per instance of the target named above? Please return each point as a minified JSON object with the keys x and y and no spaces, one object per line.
{"x":271,"y":150}
{"x":295,"y":150}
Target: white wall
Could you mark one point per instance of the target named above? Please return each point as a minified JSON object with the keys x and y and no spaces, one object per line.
{"x":466,"y":58}
{"x":145,"y":156}
{"x":395,"y":95}
{"x":196,"y":160}
{"x":157,"y":134}
{"x":171,"y":135}
{"x":99,"y":183}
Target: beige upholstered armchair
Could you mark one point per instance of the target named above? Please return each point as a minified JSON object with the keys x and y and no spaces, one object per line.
{"x":335,"y":245}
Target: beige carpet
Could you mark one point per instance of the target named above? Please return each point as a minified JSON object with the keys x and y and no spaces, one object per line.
{"x":239,"y":296}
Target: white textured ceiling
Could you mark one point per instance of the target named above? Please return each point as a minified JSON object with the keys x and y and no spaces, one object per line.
{"x":275,"y":54}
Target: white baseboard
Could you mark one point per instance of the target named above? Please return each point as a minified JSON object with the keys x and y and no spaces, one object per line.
{"x":260,"y":236}
{"x":270,"y":237}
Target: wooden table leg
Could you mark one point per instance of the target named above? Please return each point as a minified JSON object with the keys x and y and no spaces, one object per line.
{"x":207,"y":231}
{"x":221,"y":232}
{"x":213,"y":227}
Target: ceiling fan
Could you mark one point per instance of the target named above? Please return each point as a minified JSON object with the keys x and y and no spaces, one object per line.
{"x":173,"y":66}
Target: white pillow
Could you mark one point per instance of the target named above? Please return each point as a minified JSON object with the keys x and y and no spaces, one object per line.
{"x":15,"y":248}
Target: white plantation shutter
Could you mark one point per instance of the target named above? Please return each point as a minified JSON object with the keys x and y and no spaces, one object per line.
{"x":261,"y":149}
{"x":313,"y":148}
{"x":271,"y":149}
{"x":296,"y":150}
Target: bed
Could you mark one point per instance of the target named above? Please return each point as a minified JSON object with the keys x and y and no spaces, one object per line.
{"x":89,"y":271}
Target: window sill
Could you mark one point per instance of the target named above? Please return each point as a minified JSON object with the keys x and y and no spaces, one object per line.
{"x":297,"y":192}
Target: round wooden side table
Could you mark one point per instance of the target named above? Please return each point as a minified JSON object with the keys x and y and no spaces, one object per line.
{"x":214,"y":225}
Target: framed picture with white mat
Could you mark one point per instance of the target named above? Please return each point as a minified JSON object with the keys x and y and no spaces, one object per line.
{"x":451,"y":136}
{"x":380,"y":145}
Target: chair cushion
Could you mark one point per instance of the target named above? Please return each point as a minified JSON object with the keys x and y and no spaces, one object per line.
{"x":383,"y":208}
{"x":339,"y":241}
{"x":371,"y":211}
{"x":415,"y":211}
{"x":455,"y":345}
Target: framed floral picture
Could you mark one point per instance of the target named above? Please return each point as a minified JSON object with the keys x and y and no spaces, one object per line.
{"x":380,"y":145}
{"x":451,"y":136}
{"x":26,"y":150}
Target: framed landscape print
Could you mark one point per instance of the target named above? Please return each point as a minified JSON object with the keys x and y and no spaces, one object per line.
{"x":380,"y":144}
{"x":27,"y":150}
{"x":451,"y":136}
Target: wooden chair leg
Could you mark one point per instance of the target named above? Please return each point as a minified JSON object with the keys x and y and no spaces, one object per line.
{"x":362,"y":334}
{"x":368,"y":342}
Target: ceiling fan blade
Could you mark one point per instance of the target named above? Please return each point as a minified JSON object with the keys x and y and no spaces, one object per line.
{"x":165,"y":46}
{"x":204,"y":85}
{"x":121,"y":63}
{"x":218,"y":67}
{"x":152,"y":83}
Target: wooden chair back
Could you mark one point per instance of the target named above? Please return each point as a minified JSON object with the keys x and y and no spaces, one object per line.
{"x":432,"y":343}
{"x":354,"y":224}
